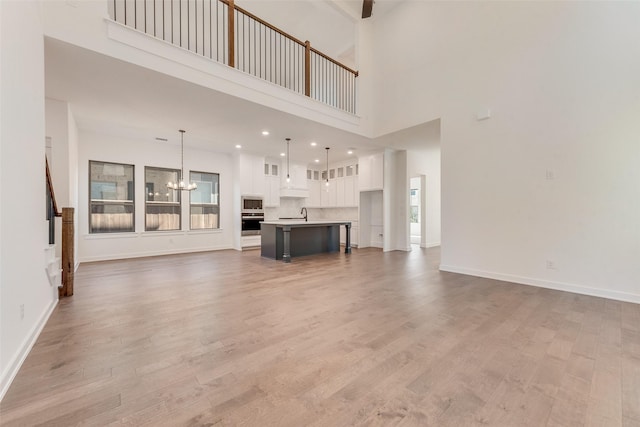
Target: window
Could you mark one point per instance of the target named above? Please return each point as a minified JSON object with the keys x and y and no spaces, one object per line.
{"x":349,"y":170}
{"x":162,"y":204}
{"x":316,"y":175}
{"x":332,"y":174}
{"x":340,"y":172}
{"x":309,"y":173}
{"x":205,"y":201}
{"x":111,"y":205}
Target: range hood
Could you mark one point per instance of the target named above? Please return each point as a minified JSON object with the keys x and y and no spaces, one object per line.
{"x":294,"y":193}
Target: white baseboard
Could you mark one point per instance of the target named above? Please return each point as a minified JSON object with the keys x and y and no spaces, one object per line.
{"x":110,"y":257}
{"x":25,"y":348}
{"x":541,"y":283}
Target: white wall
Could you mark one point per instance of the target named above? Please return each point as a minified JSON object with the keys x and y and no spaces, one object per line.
{"x":23,"y":280}
{"x":396,"y":201}
{"x":109,"y":148}
{"x":422,"y":143}
{"x":61,"y":128}
{"x":83,"y":23}
{"x":552,"y":176}
{"x":72,"y":131}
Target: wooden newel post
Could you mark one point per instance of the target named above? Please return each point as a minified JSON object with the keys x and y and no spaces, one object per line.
{"x":68,"y":261}
{"x":231,"y":33}
{"x":307,"y":68}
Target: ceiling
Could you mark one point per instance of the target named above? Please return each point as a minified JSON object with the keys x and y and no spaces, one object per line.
{"x":354,"y":7}
{"x":115,"y":97}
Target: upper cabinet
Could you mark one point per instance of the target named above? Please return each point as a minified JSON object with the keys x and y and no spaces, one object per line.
{"x":371,"y":172}
{"x":342,"y":191}
{"x":252,"y":182}
{"x":272,"y":173}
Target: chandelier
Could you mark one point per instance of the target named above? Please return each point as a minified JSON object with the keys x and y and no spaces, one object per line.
{"x":181,"y":185}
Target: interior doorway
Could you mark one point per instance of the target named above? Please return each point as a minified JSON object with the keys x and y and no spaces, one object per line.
{"x":417,"y":211}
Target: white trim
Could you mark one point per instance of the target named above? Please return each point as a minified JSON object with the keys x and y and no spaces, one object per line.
{"x":110,"y":257}
{"x":147,"y":43}
{"x":155,"y":233}
{"x":27,"y":345}
{"x":559,"y":286}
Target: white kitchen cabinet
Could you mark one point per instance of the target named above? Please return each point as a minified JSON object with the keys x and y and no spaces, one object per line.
{"x":252,"y":182}
{"x":333,"y":193}
{"x":350,"y":191}
{"x":272,"y":192}
{"x":324,"y":195}
{"x":314,"y":186}
{"x":343,"y":188}
{"x":371,"y":172}
{"x":271,"y":172}
{"x":340,"y":192}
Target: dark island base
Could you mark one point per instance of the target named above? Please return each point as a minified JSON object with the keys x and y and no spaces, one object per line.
{"x":303,"y":240}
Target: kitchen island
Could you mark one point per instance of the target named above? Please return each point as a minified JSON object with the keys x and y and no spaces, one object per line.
{"x":284,"y":239}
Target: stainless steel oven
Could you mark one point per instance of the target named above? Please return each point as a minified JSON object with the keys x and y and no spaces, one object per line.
{"x":251,"y":223}
{"x":252,"y":215}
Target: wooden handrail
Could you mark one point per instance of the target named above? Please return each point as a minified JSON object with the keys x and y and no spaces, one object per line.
{"x":263,"y":22}
{"x":317,"y":52}
{"x":284,"y":60}
{"x":50,"y":188}
{"x":287,"y":35}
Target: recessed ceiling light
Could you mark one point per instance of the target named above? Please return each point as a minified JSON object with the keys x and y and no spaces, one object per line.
{"x":265,"y":132}
{"x":313,"y":144}
{"x":282,"y":154}
{"x":238,"y":146}
{"x":317,"y":160}
{"x":350,"y":152}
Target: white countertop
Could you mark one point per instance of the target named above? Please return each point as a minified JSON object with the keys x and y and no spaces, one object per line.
{"x":302,"y":222}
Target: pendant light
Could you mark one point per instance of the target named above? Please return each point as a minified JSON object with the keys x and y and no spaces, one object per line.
{"x":327,"y":181}
{"x":181,"y":185}
{"x":288,"y":178}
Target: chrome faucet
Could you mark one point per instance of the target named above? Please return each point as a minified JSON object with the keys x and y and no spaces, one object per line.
{"x":304,"y":211}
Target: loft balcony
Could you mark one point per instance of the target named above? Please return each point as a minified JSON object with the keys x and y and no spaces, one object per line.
{"x":223,"y":32}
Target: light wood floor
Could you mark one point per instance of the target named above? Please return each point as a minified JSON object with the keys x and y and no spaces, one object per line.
{"x":228,"y":338}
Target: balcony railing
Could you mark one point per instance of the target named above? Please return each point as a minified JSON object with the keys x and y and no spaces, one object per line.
{"x":224,"y":32}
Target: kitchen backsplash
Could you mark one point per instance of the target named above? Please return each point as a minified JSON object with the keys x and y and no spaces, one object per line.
{"x":290,"y":208}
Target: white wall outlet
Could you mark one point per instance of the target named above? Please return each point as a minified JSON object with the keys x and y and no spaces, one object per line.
{"x":21,"y":311}
{"x":551,"y":265}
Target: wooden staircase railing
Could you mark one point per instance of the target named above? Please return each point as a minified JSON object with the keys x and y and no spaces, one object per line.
{"x":68,"y":257}
{"x":225,"y":32}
